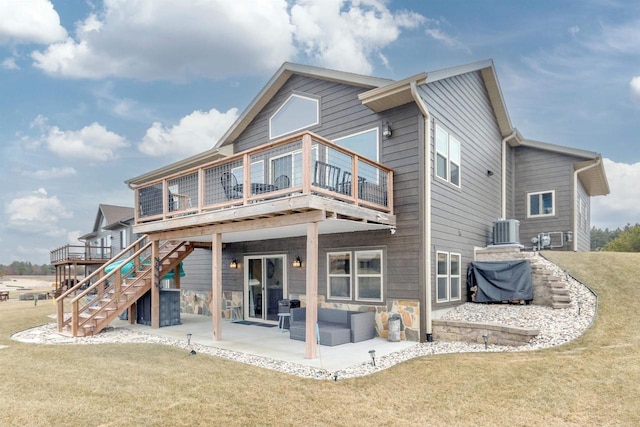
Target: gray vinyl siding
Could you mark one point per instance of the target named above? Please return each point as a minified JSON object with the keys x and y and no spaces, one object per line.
{"x":461,"y":218}
{"x":342,"y":113}
{"x":536,"y":171}
{"x":197,"y":271}
{"x":583,"y":226}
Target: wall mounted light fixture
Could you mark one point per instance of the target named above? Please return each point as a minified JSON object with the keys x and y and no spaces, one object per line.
{"x":234,"y":263}
{"x":489,"y":172}
{"x":297,"y":263}
{"x":386,"y":130}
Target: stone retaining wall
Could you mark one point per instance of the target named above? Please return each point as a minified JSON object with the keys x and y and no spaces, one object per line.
{"x":451,"y":330}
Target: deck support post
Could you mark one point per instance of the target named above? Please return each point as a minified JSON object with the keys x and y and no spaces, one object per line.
{"x":311,"y":343}
{"x":216,"y":285}
{"x":155,"y":287}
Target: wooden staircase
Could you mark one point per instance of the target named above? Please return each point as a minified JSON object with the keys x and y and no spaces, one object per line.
{"x":132,"y":273}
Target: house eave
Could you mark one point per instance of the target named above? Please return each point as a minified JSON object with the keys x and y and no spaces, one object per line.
{"x":392,"y":95}
{"x":594,"y":179}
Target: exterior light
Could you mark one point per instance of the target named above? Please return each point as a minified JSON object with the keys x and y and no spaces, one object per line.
{"x":485,"y":337}
{"x":386,"y":130}
{"x":372,"y":353}
{"x":234,"y":263}
{"x":579,"y":307}
{"x":297,"y":263}
{"x":188,"y":339}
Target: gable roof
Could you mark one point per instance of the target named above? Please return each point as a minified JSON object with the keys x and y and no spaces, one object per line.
{"x":399,"y":93}
{"x":112,"y":215}
{"x":280,"y":78}
{"x":590,"y":170}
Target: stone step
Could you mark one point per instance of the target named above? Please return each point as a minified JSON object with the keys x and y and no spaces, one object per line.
{"x":561,"y":298}
{"x":559,"y":291}
{"x":559,"y":305}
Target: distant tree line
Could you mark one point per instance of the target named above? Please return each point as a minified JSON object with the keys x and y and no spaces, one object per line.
{"x":625,"y":239}
{"x":20,"y":268}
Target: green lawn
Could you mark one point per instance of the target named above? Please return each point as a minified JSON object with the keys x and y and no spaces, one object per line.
{"x":594,"y":380}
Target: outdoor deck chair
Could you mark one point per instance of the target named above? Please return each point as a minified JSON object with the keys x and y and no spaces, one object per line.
{"x":230,"y":185}
{"x":345,"y":185}
{"x":326,"y":176}
{"x":282,"y":181}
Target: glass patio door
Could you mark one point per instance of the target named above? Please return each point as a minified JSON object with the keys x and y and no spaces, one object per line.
{"x":265,"y":285}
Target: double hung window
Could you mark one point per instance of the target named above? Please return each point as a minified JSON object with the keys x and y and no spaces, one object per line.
{"x":448,"y":277}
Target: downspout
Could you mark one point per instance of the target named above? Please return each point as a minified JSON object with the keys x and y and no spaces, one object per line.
{"x":504,"y":173}
{"x":427,"y":206}
{"x":575,"y":199}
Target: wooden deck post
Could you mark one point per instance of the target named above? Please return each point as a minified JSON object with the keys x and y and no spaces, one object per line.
{"x":216,"y":286}
{"x":312,"y":290}
{"x":155,"y":289}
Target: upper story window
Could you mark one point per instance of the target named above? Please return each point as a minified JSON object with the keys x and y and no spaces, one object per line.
{"x":541,"y":204}
{"x":296,"y":113}
{"x":364,"y":143}
{"x":447,"y":157}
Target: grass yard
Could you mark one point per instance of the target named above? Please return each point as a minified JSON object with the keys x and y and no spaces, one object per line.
{"x":594,"y":380}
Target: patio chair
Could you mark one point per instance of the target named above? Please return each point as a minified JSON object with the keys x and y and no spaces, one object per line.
{"x":230,"y":184}
{"x":345,"y":185}
{"x":326,"y":176}
{"x":282,"y":181}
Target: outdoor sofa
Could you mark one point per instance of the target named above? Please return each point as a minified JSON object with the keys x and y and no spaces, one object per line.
{"x":335,"y":326}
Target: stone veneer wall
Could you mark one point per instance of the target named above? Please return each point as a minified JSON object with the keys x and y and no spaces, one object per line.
{"x":199,"y":302}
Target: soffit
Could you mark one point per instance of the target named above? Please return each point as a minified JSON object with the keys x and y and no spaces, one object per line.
{"x":593,"y":179}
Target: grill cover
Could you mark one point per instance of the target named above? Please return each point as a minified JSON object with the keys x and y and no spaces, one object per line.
{"x":498,"y":281}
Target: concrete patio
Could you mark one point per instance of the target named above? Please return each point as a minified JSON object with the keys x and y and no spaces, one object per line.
{"x":270,"y":342}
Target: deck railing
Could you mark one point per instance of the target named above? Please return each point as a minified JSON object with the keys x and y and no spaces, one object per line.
{"x":80,"y":253}
{"x":301,"y":164}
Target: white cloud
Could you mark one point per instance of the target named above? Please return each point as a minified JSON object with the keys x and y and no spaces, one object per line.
{"x":623,"y":39}
{"x":574,"y":30}
{"x":621,"y":207}
{"x":10,"y":64}
{"x":635,"y":89}
{"x":346,"y":34}
{"x":29,"y":21}
{"x":36,"y":213}
{"x":197,"y":132}
{"x":72,"y":237}
{"x":93,"y":142}
{"x":165,"y":39}
{"x":53,"y":173}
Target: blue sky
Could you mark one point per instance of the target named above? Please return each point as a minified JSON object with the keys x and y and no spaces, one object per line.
{"x":95,"y":92}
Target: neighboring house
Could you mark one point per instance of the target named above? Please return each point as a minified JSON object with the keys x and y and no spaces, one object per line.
{"x":112,"y":232}
{"x":277,"y":212}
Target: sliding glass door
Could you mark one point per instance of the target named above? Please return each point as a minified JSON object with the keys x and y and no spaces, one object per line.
{"x":265,"y":285}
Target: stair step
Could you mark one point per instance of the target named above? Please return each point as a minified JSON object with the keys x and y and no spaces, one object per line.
{"x":560,"y":305}
{"x":561,"y":298}
{"x":559,"y":291}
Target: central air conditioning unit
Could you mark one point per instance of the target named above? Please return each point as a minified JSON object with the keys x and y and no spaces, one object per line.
{"x":506,"y":232}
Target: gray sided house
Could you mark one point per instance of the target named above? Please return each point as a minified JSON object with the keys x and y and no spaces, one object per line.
{"x":111,"y":233}
{"x":349,"y":191}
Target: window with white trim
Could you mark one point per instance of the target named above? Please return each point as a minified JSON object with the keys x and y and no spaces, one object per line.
{"x":447,"y":156}
{"x":296,"y":113}
{"x":448,"y":278}
{"x":339,"y":275}
{"x":366,"y":274}
{"x":541,"y":204}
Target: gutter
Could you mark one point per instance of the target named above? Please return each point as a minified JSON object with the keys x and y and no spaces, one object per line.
{"x":575,"y":199}
{"x":427,"y":207}
{"x":504,"y":173}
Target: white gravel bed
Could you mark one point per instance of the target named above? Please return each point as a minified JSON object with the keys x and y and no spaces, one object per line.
{"x":557,"y":326}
